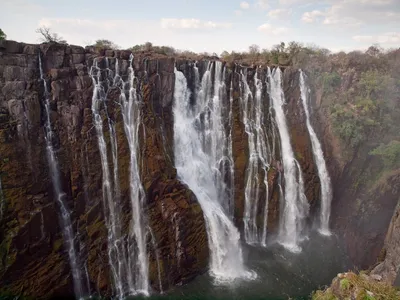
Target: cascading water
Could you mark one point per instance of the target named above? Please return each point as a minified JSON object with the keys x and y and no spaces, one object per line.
{"x":230,"y":154}
{"x":253,"y":119}
{"x":60,"y":196}
{"x":130,"y":109}
{"x":118,"y":261}
{"x":326,"y":189}
{"x":197,"y":163}
{"x":127,"y":255}
{"x":210,"y":106}
{"x":157,"y":254}
{"x":295,"y":206}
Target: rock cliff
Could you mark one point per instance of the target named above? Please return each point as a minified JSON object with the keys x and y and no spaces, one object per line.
{"x":32,"y":257}
{"x":33,"y":260}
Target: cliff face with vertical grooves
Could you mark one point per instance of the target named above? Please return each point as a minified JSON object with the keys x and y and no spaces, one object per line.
{"x":33,"y":260}
{"x":32,"y":256}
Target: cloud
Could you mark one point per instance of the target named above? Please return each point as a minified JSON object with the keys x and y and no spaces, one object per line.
{"x":311,"y":16}
{"x":127,"y":33}
{"x":355,"y":13}
{"x":385,"y":38}
{"x":295,"y":2}
{"x":244,"y":5}
{"x":262,"y":4}
{"x":238,"y":12}
{"x":169,"y":23}
{"x":268,"y":28}
{"x":279,"y":13}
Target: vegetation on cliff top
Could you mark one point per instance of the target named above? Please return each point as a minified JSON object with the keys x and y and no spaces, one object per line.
{"x":359,"y":287}
{"x":3,"y":36}
{"x":47,"y":36}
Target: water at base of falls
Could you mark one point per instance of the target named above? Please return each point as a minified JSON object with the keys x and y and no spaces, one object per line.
{"x":326,"y":189}
{"x":281,"y":274}
{"x":294,"y":204}
{"x":196,"y":165}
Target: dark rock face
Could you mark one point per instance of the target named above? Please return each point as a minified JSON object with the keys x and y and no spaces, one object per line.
{"x":32,"y":257}
{"x":390,"y":266}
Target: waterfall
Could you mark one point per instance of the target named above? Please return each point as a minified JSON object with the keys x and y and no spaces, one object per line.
{"x":326,"y":190}
{"x":66,"y":225}
{"x":212,"y":114}
{"x":157,"y":254}
{"x":253,"y":119}
{"x":117,"y":258}
{"x":196,"y":150}
{"x":294,"y":208}
{"x":127,"y":255}
{"x":230,"y":153}
{"x":130,"y":108}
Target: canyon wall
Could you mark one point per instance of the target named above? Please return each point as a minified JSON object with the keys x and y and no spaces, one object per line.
{"x":33,"y":259}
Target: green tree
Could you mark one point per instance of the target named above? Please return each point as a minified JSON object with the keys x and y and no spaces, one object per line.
{"x":105,"y":44}
{"x":390,"y":153}
{"x":3,"y":36}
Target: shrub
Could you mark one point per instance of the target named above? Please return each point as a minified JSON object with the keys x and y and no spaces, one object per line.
{"x":3,"y":36}
{"x":390,"y":153}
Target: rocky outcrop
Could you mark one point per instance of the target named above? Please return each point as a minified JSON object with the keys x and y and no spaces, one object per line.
{"x":32,"y":257}
{"x":390,"y":266}
{"x":352,"y":286}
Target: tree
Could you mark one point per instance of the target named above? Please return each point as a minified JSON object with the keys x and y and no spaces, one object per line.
{"x":225,"y":55}
{"x":374,"y":50}
{"x":254,"y":49}
{"x":148,"y":46}
{"x":105,"y":44}
{"x":3,"y":36}
{"x":50,"y":37}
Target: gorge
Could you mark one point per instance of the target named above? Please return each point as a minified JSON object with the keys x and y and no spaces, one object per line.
{"x":131,"y":175}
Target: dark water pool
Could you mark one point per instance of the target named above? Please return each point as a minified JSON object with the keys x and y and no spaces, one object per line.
{"x":281,"y":274}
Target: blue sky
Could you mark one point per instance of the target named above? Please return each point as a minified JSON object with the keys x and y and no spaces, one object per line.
{"x":208,"y":25}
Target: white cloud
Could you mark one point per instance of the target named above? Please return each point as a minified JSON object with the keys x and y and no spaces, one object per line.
{"x":268,"y":28}
{"x":262,"y":4}
{"x":169,"y":23}
{"x":127,"y":33}
{"x":355,"y":13}
{"x":311,"y":16}
{"x":238,"y":12}
{"x":244,"y":5}
{"x":295,"y":2}
{"x":279,"y":13}
{"x":385,"y":38}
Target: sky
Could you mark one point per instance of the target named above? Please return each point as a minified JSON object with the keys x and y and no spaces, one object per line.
{"x":208,"y":25}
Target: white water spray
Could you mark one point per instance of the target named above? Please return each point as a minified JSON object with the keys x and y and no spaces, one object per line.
{"x":60,"y":196}
{"x":123,"y":281}
{"x":196,"y":165}
{"x":258,"y":166}
{"x":130,"y":108}
{"x":326,"y":189}
{"x":294,"y":208}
